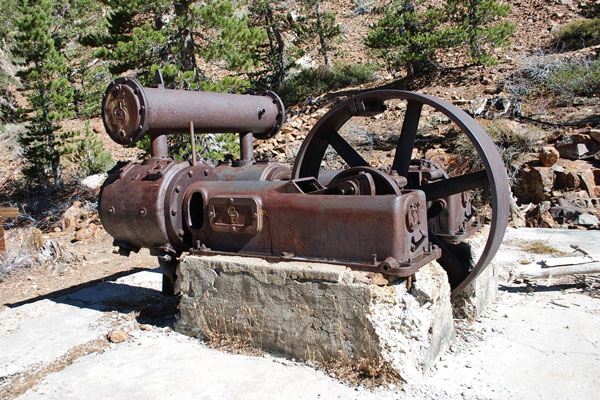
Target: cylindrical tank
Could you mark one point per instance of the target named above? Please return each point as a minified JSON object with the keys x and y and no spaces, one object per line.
{"x":131,"y":111}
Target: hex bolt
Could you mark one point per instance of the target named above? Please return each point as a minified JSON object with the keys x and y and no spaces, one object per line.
{"x":190,"y":173}
{"x":180,"y":233}
{"x":173,"y":212}
{"x":211,"y":214}
{"x":122,"y":133}
{"x":165,"y":257}
{"x":177,"y":189}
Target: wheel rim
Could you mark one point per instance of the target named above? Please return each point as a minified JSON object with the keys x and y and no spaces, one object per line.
{"x":493,"y":176}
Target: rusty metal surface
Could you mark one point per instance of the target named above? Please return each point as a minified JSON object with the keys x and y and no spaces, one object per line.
{"x":325,"y":228}
{"x":131,"y":111}
{"x":326,"y":133}
{"x":390,"y":221}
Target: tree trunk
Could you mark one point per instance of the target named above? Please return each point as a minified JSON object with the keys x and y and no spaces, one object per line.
{"x":277,"y":47}
{"x":320,"y":30}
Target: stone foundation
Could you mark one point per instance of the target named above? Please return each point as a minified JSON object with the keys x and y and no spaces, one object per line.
{"x":475,"y":299}
{"x":318,"y":312}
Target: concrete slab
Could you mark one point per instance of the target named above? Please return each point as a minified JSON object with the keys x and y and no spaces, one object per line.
{"x":540,"y":345}
{"x":41,"y":332}
{"x":560,"y":239}
{"x":156,"y":365}
{"x":318,"y":312}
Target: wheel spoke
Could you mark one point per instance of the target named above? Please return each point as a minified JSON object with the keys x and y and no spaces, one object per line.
{"x":407,"y":138}
{"x":458,"y":184}
{"x":346,"y":151}
{"x":457,"y":271}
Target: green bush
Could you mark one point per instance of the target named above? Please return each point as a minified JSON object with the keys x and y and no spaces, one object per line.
{"x":565,"y":80}
{"x":579,"y":79}
{"x":86,"y":152}
{"x":590,"y":8}
{"x":311,"y":82}
{"x":578,"y":34}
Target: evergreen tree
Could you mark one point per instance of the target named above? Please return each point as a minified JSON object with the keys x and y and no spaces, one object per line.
{"x":405,"y":36}
{"x":50,"y":92}
{"x":478,"y":24}
{"x":274,"y":54}
{"x":316,"y":23}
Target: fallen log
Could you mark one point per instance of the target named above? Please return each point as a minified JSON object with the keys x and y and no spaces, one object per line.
{"x":558,"y":271}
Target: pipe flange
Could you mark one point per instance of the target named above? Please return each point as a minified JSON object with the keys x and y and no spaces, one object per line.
{"x":125,"y":111}
{"x":280,"y":114}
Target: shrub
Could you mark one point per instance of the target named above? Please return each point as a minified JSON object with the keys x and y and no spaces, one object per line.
{"x":578,"y":34}
{"x":311,"y":82}
{"x":579,"y":79}
{"x":590,"y":8}
{"x":87,"y":152}
{"x":562,"y":79}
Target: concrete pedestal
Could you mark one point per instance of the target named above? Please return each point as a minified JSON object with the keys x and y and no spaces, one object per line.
{"x":318,"y":312}
{"x":475,"y":299}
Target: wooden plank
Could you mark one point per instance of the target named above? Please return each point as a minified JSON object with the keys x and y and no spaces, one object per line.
{"x":559,"y":271}
{"x":565,"y":261}
{"x":9,"y":212}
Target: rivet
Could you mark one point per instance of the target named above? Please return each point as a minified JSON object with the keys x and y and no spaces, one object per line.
{"x":143,"y":212}
{"x":180,"y":232}
{"x":177,"y":189}
{"x":190,"y":173}
{"x":111,"y":210}
{"x":173,"y":212}
{"x":122,"y":133}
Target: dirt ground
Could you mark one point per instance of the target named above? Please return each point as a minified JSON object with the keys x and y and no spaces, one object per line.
{"x":94,"y":262}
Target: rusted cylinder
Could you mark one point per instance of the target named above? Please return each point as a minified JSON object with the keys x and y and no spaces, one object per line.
{"x":131,"y":111}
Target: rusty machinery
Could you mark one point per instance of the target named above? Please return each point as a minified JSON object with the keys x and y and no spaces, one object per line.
{"x":390,"y":221}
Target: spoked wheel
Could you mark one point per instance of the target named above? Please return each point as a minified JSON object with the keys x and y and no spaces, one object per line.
{"x":493,"y":177}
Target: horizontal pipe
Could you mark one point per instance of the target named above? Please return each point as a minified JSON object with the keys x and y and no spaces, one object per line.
{"x":131,"y":111}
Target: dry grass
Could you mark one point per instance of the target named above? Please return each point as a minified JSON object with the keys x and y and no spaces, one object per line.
{"x":540,"y":247}
{"x":367,"y":372}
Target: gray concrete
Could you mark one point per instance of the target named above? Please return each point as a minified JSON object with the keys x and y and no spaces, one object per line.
{"x":560,"y":239}
{"x":540,"y":345}
{"x":474,"y":300}
{"x":318,"y":312}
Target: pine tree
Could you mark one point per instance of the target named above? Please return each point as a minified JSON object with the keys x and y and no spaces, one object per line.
{"x":274,"y":54}
{"x":478,"y":25}
{"x":316,"y":23}
{"x":50,"y":92}
{"x":406,"y":36}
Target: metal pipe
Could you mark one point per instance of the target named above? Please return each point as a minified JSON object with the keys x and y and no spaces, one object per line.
{"x":130,"y":111}
{"x":193,"y":142}
{"x":246,"y":147}
{"x":160,"y":147}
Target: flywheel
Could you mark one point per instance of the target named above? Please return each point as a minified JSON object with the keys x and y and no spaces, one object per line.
{"x":491,"y":177}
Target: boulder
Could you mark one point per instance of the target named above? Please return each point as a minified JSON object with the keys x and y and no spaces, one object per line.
{"x":548,"y":156}
{"x":534,"y":184}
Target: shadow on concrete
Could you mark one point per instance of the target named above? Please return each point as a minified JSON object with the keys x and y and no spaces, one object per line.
{"x":76,"y":288}
{"x":538,"y":288}
{"x":106,"y":295}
